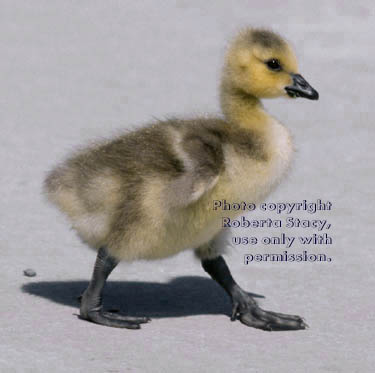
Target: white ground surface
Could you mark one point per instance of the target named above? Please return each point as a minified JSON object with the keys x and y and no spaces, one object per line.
{"x":76,"y":71}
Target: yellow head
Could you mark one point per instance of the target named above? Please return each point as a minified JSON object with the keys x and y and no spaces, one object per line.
{"x":262,"y":64}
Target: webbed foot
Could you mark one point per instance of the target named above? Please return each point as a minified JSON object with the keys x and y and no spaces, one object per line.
{"x":249,"y":313}
{"x":98,"y":316}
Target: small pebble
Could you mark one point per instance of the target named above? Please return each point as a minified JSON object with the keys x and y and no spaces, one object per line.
{"x":29,"y":272}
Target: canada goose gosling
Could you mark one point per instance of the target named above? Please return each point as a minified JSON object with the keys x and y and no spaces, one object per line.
{"x":148,"y":194}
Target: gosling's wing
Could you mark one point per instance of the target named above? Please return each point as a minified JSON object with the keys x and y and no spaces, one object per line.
{"x":201,"y":154}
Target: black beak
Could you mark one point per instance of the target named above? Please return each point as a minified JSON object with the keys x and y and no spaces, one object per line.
{"x":301,"y":88}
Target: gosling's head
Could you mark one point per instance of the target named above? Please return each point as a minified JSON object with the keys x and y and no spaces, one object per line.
{"x":262,"y":64}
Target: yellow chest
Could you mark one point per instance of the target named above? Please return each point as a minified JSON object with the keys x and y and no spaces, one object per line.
{"x":249,"y":179}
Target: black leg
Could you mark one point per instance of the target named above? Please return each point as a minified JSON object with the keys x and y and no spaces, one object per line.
{"x":245,"y":307}
{"x":91,"y":301}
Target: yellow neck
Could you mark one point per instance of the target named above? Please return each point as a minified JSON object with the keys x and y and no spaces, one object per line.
{"x":243,"y":109}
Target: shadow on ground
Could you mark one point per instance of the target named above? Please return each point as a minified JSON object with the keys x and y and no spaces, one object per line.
{"x":182,"y":296}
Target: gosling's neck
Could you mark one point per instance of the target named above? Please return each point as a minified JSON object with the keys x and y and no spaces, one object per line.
{"x":243,"y":109}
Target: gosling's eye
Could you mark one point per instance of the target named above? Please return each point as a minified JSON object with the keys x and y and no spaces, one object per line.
{"x":273,"y":64}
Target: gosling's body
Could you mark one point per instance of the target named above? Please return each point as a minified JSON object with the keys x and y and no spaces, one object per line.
{"x":149,"y":194}
{"x":136,"y":203}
